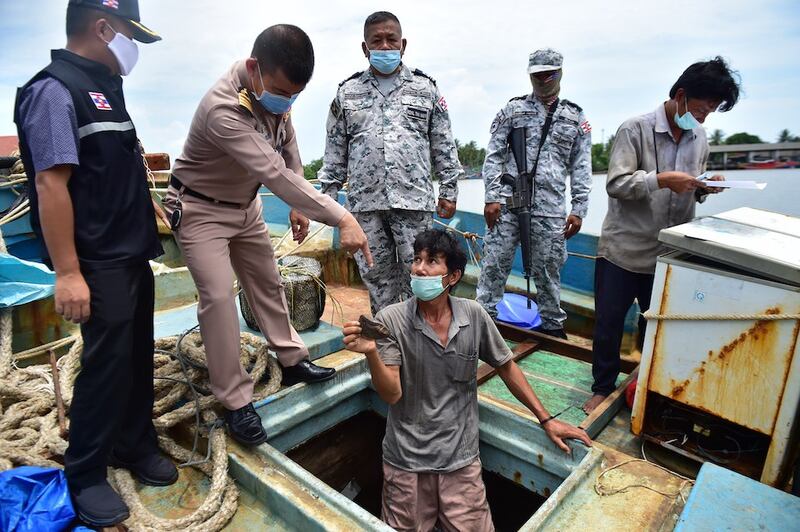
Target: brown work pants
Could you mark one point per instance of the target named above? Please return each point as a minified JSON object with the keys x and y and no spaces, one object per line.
{"x":418,"y":501}
{"x":217,"y":242}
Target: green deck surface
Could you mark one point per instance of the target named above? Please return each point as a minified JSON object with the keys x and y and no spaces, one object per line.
{"x":559,"y":382}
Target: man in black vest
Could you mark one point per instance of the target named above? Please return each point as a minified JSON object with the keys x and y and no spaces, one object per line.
{"x":90,"y":203}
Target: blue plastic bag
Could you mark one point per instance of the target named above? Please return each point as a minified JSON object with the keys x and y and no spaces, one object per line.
{"x":22,"y":281}
{"x":34,"y":499}
{"x":513,"y":309}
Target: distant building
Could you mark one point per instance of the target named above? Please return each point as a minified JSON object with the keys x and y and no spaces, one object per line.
{"x":752,"y":156}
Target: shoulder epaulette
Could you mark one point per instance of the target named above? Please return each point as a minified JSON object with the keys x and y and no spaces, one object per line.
{"x":354,"y":76}
{"x":572,"y":104}
{"x":244,"y":100}
{"x":418,"y":72}
{"x":519,"y":97}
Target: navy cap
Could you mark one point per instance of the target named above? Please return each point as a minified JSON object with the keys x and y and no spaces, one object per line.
{"x":127,"y":9}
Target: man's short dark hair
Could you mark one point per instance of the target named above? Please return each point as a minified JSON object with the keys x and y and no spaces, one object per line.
{"x":287,"y":48}
{"x":710,"y":80}
{"x":378,"y":17}
{"x":434,"y":242}
{"x":79,"y":18}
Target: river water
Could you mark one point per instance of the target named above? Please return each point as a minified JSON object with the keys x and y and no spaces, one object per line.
{"x":782,"y":195}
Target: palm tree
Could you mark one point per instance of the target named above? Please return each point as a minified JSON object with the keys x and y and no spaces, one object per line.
{"x":785,"y":136}
{"x":716,"y":137}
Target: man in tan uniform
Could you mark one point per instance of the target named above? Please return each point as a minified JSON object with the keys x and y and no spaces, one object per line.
{"x":242,"y":137}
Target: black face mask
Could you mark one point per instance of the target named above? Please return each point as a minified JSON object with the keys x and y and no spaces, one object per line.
{"x":548,"y":89}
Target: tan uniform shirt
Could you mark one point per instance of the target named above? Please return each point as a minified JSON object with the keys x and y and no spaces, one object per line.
{"x":234,"y":146}
{"x":637,"y":208}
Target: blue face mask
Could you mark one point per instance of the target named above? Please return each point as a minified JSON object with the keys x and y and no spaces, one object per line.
{"x":275,"y":103}
{"x":427,"y":288}
{"x":687,"y":121}
{"x":384,"y":61}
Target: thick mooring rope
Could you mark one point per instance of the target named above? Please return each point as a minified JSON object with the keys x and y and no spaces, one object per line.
{"x":30,"y":435}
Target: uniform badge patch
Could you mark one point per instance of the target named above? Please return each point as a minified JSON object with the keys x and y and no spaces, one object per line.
{"x":586,"y":127}
{"x":99,"y":100}
{"x":113,"y":4}
{"x":442,"y":104}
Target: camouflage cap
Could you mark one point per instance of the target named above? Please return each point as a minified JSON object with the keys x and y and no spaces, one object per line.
{"x":544,"y":60}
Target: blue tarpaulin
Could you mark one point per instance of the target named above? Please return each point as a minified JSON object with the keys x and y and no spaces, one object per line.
{"x":513,"y":309}
{"x":22,"y":281}
{"x":34,"y":499}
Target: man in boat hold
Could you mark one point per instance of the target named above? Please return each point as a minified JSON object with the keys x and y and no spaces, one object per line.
{"x":388,"y":130}
{"x":652,"y":184}
{"x":241,"y":137}
{"x":559,"y":147}
{"x":426,"y":369}
{"x":90,"y":203}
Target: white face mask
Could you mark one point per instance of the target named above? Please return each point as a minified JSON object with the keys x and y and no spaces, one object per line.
{"x":125,"y":50}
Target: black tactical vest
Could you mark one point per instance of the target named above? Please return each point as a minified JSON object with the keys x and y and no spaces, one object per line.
{"x":114,"y":217}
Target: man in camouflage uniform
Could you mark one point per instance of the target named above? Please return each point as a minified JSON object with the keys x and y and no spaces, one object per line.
{"x":386,"y":126}
{"x":566,"y":152}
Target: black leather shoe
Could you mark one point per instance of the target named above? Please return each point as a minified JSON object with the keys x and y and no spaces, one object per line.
{"x":306,"y":371}
{"x":100,"y":505}
{"x":244,"y":425}
{"x":558,"y":333}
{"x":153,"y":469}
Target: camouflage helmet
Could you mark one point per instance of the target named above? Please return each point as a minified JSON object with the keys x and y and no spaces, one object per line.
{"x":544,"y":60}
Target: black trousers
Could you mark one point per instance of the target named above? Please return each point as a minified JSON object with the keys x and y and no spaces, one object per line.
{"x":615,"y":289}
{"x":112,"y":405}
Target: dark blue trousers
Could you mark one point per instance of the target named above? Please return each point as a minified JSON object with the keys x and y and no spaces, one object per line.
{"x":615,"y":289}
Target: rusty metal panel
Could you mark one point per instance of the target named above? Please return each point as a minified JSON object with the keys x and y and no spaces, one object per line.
{"x":736,"y":370}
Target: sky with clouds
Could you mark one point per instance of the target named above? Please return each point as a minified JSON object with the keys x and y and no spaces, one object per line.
{"x":620,"y":57}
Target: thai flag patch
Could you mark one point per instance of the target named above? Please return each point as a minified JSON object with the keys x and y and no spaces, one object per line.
{"x":586,"y":127}
{"x":99,"y":100}
{"x":113,"y":4}
{"x":442,"y":104}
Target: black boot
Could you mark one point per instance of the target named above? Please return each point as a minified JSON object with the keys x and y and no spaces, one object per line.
{"x":100,"y":505}
{"x":558,"y":333}
{"x":244,"y":425}
{"x":152,"y":469}
{"x":306,"y":371}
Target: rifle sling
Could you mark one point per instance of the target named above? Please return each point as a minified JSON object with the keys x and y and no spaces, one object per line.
{"x":545,"y":131}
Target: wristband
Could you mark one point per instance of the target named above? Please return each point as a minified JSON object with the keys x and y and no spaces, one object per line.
{"x":542,"y":422}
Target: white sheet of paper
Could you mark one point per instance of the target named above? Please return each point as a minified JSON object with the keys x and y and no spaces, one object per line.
{"x":751,"y":185}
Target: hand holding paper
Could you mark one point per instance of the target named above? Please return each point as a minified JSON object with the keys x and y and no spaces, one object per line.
{"x":741,"y":184}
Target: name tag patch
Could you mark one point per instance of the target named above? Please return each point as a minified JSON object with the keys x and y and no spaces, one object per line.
{"x":100,"y":101}
{"x":417,"y":113}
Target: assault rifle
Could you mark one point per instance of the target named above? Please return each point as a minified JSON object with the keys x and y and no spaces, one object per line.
{"x":521,"y":201}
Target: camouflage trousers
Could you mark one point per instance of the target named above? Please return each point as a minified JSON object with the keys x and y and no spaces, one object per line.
{"x":548,"y":255}
{"x":391,"y":235}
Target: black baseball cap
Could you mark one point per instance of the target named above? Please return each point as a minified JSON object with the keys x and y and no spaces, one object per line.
{"x":127,"y":9}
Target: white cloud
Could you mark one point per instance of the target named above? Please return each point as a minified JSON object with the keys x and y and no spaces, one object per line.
{"x":621,"y":57}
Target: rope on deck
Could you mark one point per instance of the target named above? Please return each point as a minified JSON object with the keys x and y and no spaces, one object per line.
{"x":720,"y":317}
{"x":605,"y":491}
{"x":30,"y":434}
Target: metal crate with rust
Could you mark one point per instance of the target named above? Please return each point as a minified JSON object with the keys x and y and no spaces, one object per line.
{"x":720,"y":377}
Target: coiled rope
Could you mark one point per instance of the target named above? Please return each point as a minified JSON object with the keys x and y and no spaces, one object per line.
{"x":30,"y":435}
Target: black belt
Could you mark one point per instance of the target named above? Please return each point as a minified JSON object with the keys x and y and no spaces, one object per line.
{"x":183,"y":189}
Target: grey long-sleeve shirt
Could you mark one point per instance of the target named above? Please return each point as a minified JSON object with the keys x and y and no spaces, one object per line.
{"x":637,"y":208}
